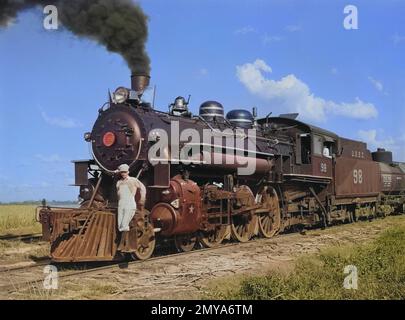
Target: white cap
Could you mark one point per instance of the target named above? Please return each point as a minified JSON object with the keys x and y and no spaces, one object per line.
{"x":123,"y":168}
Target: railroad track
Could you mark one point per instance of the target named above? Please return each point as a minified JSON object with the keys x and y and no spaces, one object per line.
{"x":24,"y":284}
{"x":42,"y":262}
{"x":23,"y":237}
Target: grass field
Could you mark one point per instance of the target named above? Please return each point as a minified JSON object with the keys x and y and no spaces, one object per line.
{"x":18,"y":219}
{"x":380,"y":267}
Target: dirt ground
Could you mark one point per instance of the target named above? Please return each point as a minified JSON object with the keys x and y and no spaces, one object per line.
{"x":191,"y":276}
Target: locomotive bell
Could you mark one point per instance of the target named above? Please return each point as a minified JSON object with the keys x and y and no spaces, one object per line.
{"x":180,"y":104}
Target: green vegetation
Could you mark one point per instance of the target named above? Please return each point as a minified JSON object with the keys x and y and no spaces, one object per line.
{"x":18,"y":219}
{"x":380,"y":266}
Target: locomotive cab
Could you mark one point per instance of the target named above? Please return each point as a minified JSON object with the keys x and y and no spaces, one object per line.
{"x":324,"y":148}
{"x":314,"y":147}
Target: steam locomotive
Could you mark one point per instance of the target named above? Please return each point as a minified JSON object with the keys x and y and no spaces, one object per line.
{"x":250,"y":177}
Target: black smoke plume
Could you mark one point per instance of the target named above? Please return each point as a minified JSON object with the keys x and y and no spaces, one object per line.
{"x":119,"y":25}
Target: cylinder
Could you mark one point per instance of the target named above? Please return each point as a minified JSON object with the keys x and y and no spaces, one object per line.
{"x":183,"y":214}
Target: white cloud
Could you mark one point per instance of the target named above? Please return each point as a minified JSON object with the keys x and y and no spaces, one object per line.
{"x":374,"y":140}
{"x":293,"y":28}
{"x":376,"y":83}
{"x":334,"y":71}
{"x":397,"y":39}
{"x":62,"y":122}
{"x":369,"y":136}
{"x":203,"y":72}
{"x":290,"y":94}
{"x":268,"y":39}
{"x":245,"y":30}
{"x":357,"y":109}
{"x":53,"y":158}
{"x":377,"y":139}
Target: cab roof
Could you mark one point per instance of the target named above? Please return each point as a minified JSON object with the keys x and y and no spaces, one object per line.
{"x":290,"y":122}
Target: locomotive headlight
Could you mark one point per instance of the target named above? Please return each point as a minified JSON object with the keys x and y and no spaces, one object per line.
{"x":121,"y":95}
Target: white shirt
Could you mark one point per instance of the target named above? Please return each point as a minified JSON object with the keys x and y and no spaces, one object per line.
{"x":126,"y":190}
{"x":326,"y":152}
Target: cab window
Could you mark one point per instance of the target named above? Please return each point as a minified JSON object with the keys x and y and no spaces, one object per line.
{"x":327,"y":149}
{"x":305,"y":148}
{"x":318,"y":145}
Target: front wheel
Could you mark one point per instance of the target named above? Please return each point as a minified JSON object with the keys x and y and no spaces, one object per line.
{"x":146,"y":243}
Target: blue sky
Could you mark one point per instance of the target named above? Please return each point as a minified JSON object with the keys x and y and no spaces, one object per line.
{"x":279,"y":56}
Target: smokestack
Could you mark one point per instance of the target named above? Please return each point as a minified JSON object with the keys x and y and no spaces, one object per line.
{"x":139,"y":82}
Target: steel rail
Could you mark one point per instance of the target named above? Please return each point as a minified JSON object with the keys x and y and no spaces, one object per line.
{"x":30,"y":236}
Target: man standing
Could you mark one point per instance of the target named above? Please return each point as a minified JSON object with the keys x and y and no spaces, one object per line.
{"x":126,"y":190}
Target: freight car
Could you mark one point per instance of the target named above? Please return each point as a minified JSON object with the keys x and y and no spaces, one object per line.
{"x":250,"y":177}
